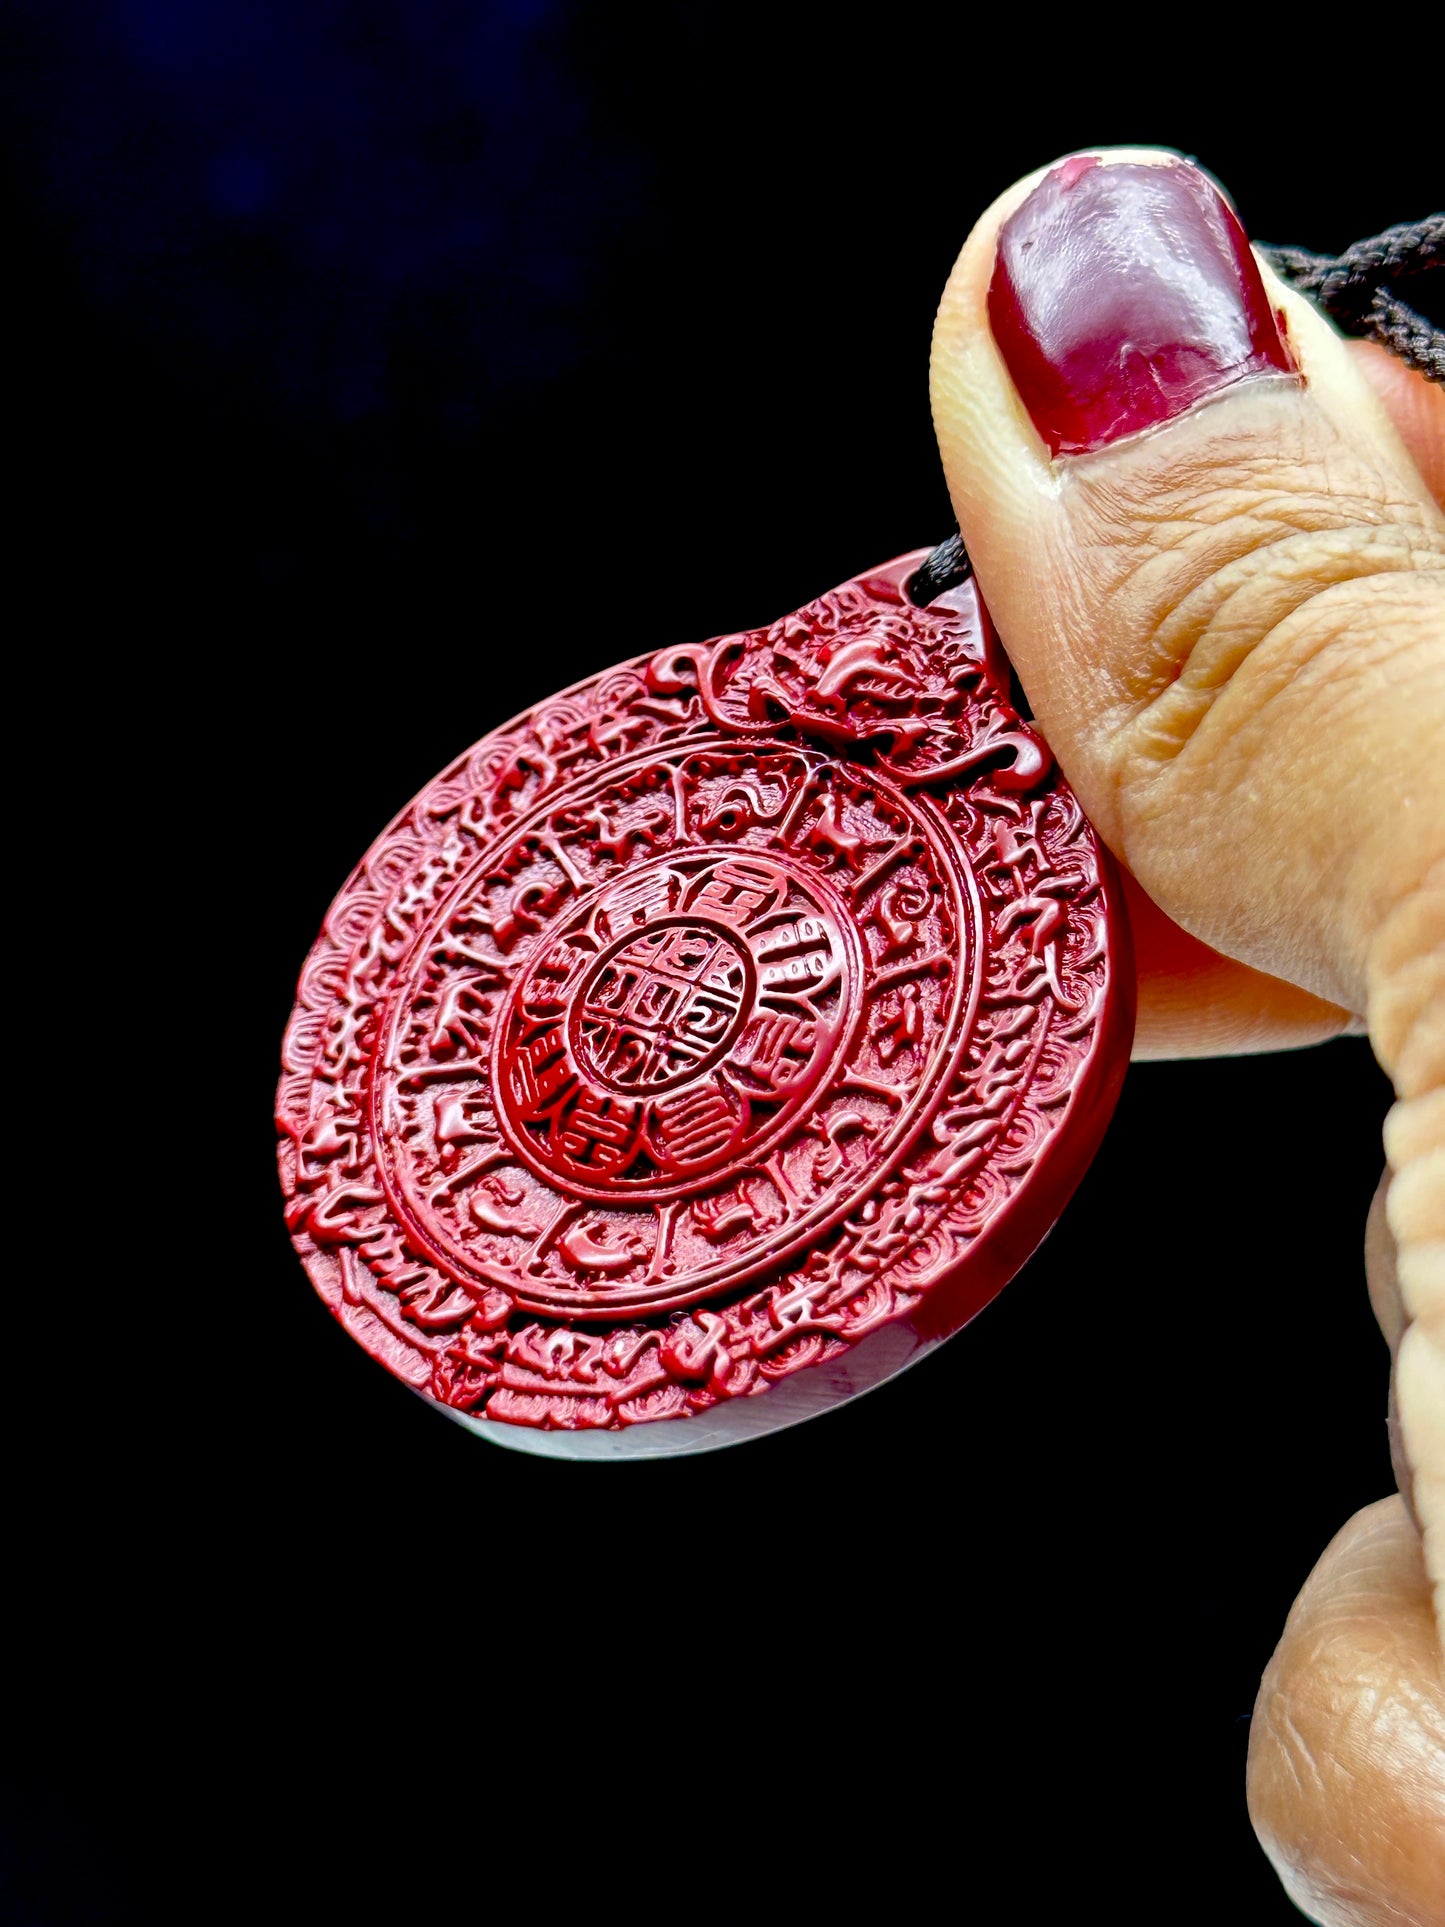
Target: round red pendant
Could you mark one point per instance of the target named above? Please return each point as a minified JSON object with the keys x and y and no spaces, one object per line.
{"x":711,"y":1040}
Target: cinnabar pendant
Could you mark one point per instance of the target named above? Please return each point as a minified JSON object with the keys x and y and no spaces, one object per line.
{"x":713,"y":1039}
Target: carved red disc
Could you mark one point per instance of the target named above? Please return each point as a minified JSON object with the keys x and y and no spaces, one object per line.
{"x":735,"y":1023}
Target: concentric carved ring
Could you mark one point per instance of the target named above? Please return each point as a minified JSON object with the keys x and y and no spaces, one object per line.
{"x":707,"y":1024}
{"x":693,"y":1066}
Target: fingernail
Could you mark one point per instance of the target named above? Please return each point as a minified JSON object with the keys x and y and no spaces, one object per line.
{"x":1122,"y":294}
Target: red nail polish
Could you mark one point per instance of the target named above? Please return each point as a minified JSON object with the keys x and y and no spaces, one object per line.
{"x":1122,"y":294}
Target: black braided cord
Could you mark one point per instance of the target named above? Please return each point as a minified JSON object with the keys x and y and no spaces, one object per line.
{"x":1362,"y":291}
{"x":1365,"y":290}
{"x":945,"y":568}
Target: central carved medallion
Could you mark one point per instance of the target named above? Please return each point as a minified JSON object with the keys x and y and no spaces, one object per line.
{"x":673,"y":1022}
{"x":662,"y":1008}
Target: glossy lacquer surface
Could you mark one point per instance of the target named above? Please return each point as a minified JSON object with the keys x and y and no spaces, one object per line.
{"x":710,"y":1040}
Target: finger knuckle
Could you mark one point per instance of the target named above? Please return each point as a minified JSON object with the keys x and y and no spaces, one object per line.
{"x":1337,"y":611}
{"x":1299,"y":687}
{"x":1405,"y":974}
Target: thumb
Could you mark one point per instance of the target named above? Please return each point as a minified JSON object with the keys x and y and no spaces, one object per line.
{"x":1218,"y":572}
{"x":1222,"y":581}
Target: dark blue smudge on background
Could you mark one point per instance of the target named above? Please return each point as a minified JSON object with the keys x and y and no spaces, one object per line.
{"x":394,"y":209}
{"x":384,"y":367}
{"x":341,"y":299}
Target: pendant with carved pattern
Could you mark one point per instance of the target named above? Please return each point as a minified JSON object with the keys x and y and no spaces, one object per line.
{"x":711,"y":1040}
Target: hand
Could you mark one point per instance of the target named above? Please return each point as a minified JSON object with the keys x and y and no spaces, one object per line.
{"x":1211,"y":537}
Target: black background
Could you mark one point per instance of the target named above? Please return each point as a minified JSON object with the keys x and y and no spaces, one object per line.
{"x":380,"y":370}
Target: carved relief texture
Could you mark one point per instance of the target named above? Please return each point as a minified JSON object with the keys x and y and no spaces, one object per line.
{"x":698,"y":1022}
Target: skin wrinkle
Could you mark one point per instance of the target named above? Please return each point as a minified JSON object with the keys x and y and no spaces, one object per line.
{"x":1406,"y":973}
{"x":1219,"y":594}
{"x":1298,"y":1754}
{"x":1109,"y":570}
{"x":1347,"y":1747}
{"x":1216,"y":640}
{"x":1187,"y":598}
{"x":1195,"y":1002}
{"x":1275,"y":705}
{"x":1098,"y":739}
{"x":1416,"y":1375}
{"x":1334,"y":654}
